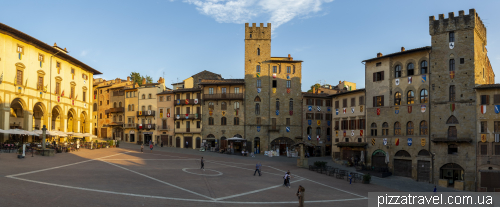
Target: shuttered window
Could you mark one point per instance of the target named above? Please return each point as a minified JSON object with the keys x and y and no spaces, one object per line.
{"x":496,"y":99}
{"x":485,"y":99}
{"x":497,"y":149}
{"x":484,"y":149}
{"x":378,"y":101}
{"x":336,"y":104}
{"x":353,"y":101}
{"x":344,"y":103}
{"x":378,"y":76}
{"x":361,"y":100}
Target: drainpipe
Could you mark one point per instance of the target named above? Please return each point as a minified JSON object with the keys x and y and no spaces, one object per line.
{"x":50,"y":95}
{"x":429,"y":128}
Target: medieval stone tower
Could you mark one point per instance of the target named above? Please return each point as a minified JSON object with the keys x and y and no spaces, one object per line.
{"x":458,"y":62}
{"x":272,"y":93}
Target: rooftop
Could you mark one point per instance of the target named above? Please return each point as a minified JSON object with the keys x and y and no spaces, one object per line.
{"x":400,"y":53}
{"x":487,"y":86}
{"x":221,"y":82}
{"x":347,"y":92}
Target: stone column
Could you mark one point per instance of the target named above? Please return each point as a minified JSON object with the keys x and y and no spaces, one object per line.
{"x":28,"y":120}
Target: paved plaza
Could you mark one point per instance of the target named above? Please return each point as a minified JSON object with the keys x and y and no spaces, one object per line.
{"x":167,"y":177}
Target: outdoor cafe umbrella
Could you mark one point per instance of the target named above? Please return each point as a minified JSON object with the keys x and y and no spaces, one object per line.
{"x":362,"y":156}
{"x":89,"y":135}
{"x":235,"y":138}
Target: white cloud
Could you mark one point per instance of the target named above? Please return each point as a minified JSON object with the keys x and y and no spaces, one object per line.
{"x":84,"y":53}
{"x":241,"y":11}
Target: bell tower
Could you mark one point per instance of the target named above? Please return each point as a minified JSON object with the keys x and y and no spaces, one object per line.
{"x":257,"y":47}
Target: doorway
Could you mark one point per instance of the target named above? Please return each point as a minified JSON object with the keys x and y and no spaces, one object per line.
{"x":147,"y":138}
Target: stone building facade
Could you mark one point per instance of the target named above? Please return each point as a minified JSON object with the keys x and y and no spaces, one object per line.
{"x":223,"y":115}
{"x":103,"y":93}
{"x":317,"y":123}
{"x":132,"y":106}
{"x":459,"y":62}
{"x":397,"y":92}
{"x":165,"y":122}
{"x":272,"y":93}
{"x":349,"y":125}
{"x":488,"y":137}
{"x":42,"y":85}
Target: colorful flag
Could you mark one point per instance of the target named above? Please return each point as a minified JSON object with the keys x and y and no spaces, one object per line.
{"x":483,"y":109}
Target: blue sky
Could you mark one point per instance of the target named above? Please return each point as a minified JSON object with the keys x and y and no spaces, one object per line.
{"x":179,"y":38}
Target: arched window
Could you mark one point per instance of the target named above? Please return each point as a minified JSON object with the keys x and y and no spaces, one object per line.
{"x":258,"y":51}
{"x":223,"y":106}
{"x":258,"y":68}
{"x":423,"y":128}
{"x":424,"y":96}
{"x":397,"y":99}
{"x":397,"y":128}
{"x":210,"y":120}
{"x":120,"y":104}
{"x":114,"y":104}
{"x":257,"y":99}
{"x":385,"y":128}
{"x":374,"y":129}
{"x":149,"y":96}
{"x":211,"y":106}
{"x":424,"y":153}
{"x":397,"y":71}
{"x":133,"y":107}
{"x":318,"y":130}
{"x":452,"y":120}
{"x":149,"y":107}
{"x":452,"y":64}
{"x":143,"y":96}
{"x":290,"y":105}
{"x":257,"y":109}
{"x":95,"y":107}
{"x":120,"y":118}
{"x":410,"y":97}
{"x":409,"y":128}
{"x":402,"y":153}
{"x":423,"y":67}
{"x":143,"y":108}
{"x":409,"y":69}
{"x":129,"y":107}
{"x":236,"y":105}
{"x":236,"y":121}
{"x":223,"y":121}
{"x":309,"y":130}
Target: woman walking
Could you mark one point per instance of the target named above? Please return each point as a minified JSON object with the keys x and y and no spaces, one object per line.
{"x":300,"y":195}
{"x":151,"y":145}
{"x":285,"y":180}
{"x":288,"y":178}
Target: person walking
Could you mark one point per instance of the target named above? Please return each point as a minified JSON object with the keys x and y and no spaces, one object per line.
{"x":350,"y":178}
{"x":300,"y":195}
{"x":288,"y":179}
{"x":187,"y":144}
{"x":435,"y":190}
{"x":285,"y":179}
{"x":257,"y":168}
{"x":142,"y":148}
{"x":202,"y":164}
{"x":151,"y":145}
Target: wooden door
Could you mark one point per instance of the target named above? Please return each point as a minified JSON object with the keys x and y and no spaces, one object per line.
{"x":188,"y":126}
{"x":402,"y":168}
{"x":423,"y":171}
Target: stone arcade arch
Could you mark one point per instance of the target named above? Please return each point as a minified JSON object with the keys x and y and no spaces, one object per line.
{"x":402,"y":164}
{"x":72,"y":121}
{"x":18,"y":115}
{"x":56,"y":118}
{"x":39,"y":116}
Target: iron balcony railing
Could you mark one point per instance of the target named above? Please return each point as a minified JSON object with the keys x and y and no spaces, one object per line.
{"x":146,"y":113}
{"x":188,"y":116}
{"x":146,"y":126}
{"x":223,"y":96}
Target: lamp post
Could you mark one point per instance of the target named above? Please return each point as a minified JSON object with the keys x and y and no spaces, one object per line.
{"x":44,"y":135}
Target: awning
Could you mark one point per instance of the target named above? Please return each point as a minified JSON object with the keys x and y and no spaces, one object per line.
{"x":351,"y":144}
{"x":303,"y":143}
{"x":235,"y":138}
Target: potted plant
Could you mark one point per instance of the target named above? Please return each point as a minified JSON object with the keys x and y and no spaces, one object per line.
{"x":117,"y":143}
{"x":366,"y":178}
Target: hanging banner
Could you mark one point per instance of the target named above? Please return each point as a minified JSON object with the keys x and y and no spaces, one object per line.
{"x":287,"y":129}
{"x":373,"y":141}
{"x":328,"y":123}
{"x":195,"y":101}
{"x":328,"y":109}
{"x":378,"y":111}
{"x":318,"y":122}
{"x":309,"y":122}
{"x":385,"y":141}
{"x":397,"y":81}
{"x":397,"y":142}
{"x":352,"y":109}
{"x":483,"y":109}
{"x":288,"y":76}
{"x":345,"y":110}
{"x":409,"y":80}
{"x":274,"y":75}
{"x":258,"y":90}
{"x":424,"y":78}
{"x":360,"y":132}
{"x":258,"y":75}
{"x":422,"y":142}
{"x":452,"y":107}
{"x":352,"y":133}
{"x":409,"y":109}
{"x":186,"y":101}
{"x":344,"y":133}
{"x":168,"y":115}
{"x":288,"y":90}
{"x":336,"y":111}
{"x":410,"y":141}
{"x":210,"y":112}
{"x":497,"y":109}
{"x":452,"y":74}
{"x":422,"y":108}
{"x":178,"y":116}
{"x":396,"y":110}
{"x":483,"y":137}
{"x":291,"y":113}
{"x":223,"y":113}
{"x":187,"y":116}
{"x":361,"y":108}
{"x":308,"y":137}
{"x":310,"y":108}
{"x":274,"y":90}
{"x":258,"y":128}
{"x":161,"y":114}
{"x":318,"y":108}
{"x":277,"y":112}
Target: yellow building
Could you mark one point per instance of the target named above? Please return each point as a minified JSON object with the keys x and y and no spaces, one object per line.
{"x":42,"y":85}
{"x":131,"y":108}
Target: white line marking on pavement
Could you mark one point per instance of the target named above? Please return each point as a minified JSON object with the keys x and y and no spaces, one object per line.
{"x":326,"y":185}
{"x":76,"y":163}
{"x":180,"y":199}
{"x":185,"y":170}
{"x":161,"y":181}
{"x":148,"y":159}
{"x":255,"y":191}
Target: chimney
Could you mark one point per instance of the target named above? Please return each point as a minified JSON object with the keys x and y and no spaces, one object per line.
{"x":340,"y":82}
{"x":379,"y":54}
{"x":143,"y":81}
{"x":402,"y":49}
{"x":128,"y":78}
{"x":290,"y":58}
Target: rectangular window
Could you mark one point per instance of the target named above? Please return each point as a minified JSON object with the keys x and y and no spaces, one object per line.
{"x":257,"y":121}
{"x":452,"y":65}
{"x":288,"y":84}
{"x":84,"y":98}
{"x":462,"y":60}
{"x":168,"y":98}
{"x":72,"y":73}
{"x":378,"y":76}
{"x":361,"y":100}
{"x":288,"y":121}
{"x":452,"y":93}
{"x":344,"y":102}
{"x":310,"y":101}
{"x":336,"y":125}
{"x":319,"y":116}
{"x":259,"y":84}
{"x":353,"y":101}
{"x":223,"y":90}
{"x":258,"y":68}
{"x":328,"y":102}
{"x":485,"y":99}
{"x":275,"y":69}
{"x":275,"y":83}
{"x":40,"y":57}
{"x":236,"y":121}
{"x":58,"y":88}
{"x":337,"y":104}
{"x":288,"y":69}
{"x":40,"y":83}
{"x":198,"y":124}
{"x":497,"y":149}
{"x":309,"y":115}
{"x":484,"y":149}
{"x":236,"y":90}
{"x":178,"y":125}
{"x":161,"y":98}
{"x":20,"y":49}
{"x":319,"y":102}
{"x":452,"y":37}
{"x":378,"y":64}
{"x":484,"y":127}
{"x":378,"y":101}
{"x":210,"y":90}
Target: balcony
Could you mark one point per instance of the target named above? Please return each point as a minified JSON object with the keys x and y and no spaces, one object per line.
{"x":161,"y":127}
{"x":146,"y":113}
{"x":223,"y":96}
{"x":272,"y":128}
{"x":443,"y":137}
{"x":180,"y":102}
{"x":129,"y":126}
{"x":188,"y":130}
{"x":115,"y":110}
{"x":146,"y":126}
{"x":189,"y":116}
